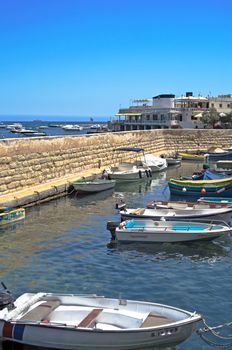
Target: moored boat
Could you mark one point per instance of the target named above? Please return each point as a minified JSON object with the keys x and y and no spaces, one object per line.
{"x":10,"y":215}
{"x":221,"y":187}
{"x":192,"y":156}
{"x":155,"y":163}
{"x":70,"y":321}
{"x":92,"y":186}
{"x":129,"y":171}
{"x":187,"y":205}
{"x":222,"y":213}
{"x":174,"y":160}
{"x":149,"y":231}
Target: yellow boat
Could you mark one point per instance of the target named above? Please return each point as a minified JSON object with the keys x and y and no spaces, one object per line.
{"x":192,"y":156}
{"x":9,"y":215}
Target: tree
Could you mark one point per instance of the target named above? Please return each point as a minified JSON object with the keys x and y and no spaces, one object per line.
{"x":226,"y":119}
{"x":210,"y":117}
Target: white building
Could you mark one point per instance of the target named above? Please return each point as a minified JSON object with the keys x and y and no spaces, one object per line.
{"x":169,"y":111}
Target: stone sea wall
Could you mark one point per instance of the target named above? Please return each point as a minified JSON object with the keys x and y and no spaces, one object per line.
{"x":25,"y":163}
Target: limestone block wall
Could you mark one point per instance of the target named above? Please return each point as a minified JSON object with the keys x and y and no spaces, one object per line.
{"x":31,"y":161}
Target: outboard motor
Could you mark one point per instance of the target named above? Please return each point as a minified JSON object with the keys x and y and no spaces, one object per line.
{"x":6,"y":299}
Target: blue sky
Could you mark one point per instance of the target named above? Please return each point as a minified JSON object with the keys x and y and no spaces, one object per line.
{"x":89,"y":57}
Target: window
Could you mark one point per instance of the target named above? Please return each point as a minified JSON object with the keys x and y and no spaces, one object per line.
{"x":212,"y":104}
{"x":220,"y":105}
{"x":228,"y":105}
{"x":148,"y":116}
{"x":155,"y":117}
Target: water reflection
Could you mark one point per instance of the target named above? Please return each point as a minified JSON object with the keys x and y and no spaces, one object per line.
{"x":195,"y":251}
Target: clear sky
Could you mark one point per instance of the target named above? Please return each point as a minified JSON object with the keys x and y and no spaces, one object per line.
{"x":90,"y":57}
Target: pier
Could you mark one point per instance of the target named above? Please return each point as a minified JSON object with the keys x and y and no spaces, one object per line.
{"x":38,"y":169}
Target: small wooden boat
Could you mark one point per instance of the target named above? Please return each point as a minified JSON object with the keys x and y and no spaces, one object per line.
{"x":222,"y":213}
{"x":69,"y":321}
{"x":187,"y":205}
{"x":93,"y":186}
{"x":149,"y":231}
{"x":222,"y":187}
{"x":192,"y":156}
{"x":9,"y":215}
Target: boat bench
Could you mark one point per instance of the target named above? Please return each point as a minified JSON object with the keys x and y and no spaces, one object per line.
{"x":41,"y":312}
{"x":86,"y":322}
{"x":153,"y":320}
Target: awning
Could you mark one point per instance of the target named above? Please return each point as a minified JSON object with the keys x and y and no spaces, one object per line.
{"x":128,"y":114}
{"x":199,"y":115}
{"x":222,"y":114}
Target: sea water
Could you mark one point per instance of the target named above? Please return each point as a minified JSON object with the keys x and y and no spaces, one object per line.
{"x":62,"y":246}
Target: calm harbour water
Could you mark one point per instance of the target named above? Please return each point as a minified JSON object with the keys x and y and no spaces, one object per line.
{"x":62,"y":247}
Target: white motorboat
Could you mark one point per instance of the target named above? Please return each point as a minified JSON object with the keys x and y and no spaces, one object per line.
{"x":129,"y":171}
{"x":69,"y":321}
{"x":153,"y":162}
{"x":93,"y":186}
{"x":187,"y":213}
{"x":72,"y":127}
{"x":149,"y":231}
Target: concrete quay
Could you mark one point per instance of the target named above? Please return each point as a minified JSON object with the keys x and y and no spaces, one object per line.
{"x":33,"y":170}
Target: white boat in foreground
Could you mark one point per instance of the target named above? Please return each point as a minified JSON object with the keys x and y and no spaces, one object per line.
{"x":149,"y":231}
{"x":187,"y":213}
{"x":92,"y":186}
{"x":69,"y":321}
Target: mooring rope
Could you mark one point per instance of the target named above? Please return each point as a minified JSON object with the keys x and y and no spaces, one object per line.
{"x":212,"y":330}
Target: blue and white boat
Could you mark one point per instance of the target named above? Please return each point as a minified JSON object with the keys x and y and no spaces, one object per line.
{"x":149,"y":231}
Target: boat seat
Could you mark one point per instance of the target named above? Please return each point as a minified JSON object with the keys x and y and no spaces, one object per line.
{"x":41,"y":311}
{"x":154,"y":320}
{"x":86,"y":322}
{"x":138,"y":211}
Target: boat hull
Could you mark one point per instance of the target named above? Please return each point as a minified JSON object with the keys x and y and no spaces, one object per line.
{"x":93,"y":187}
{"x":198,"y":191}
{"x":195,"y":157}
{"x":58,"y":338}
{"x":167,"y":237}
{"x":12,"y":216}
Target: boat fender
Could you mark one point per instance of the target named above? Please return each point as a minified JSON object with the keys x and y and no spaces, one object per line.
{"x":203,"y":190}
{"x":184,"y":189}
{"x":140,"y":174}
